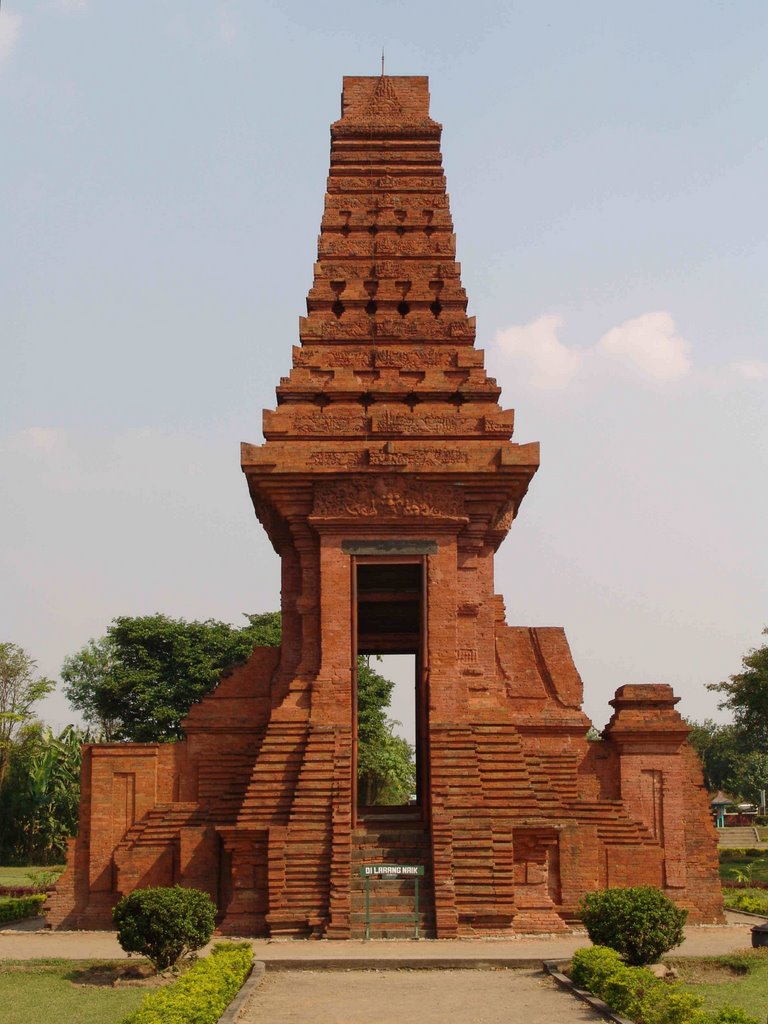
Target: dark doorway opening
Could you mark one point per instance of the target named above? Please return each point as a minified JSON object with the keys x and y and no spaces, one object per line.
{"x":389,"y":618}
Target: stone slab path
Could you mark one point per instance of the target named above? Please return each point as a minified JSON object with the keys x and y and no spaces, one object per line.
{"x":421,"y":997}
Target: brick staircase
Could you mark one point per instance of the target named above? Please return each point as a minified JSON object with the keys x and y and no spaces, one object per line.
{"x":223,"y":782}
{"x":161,"y":825}
{"x":392,"y":837}
{"x":299,"y":881}
{"x":269,"y":793}
{"x":614,"y":826}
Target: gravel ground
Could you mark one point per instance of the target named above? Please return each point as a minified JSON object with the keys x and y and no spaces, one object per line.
{"x":29,"y":940}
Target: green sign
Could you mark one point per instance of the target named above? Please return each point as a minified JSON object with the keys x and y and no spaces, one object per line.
{"x":392,"y":870}
{"x":385,"y":871}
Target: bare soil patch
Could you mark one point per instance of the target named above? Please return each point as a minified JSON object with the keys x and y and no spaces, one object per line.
{"x":708,"y":974}
{"x":119,"y":975}
{"x":714,"y":970}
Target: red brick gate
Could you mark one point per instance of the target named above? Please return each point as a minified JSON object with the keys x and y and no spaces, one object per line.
{"x":386,"y":483}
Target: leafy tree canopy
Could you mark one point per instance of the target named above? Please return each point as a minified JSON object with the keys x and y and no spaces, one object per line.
{"x":745,"y":694}
{"x":385,"y":766}
{"x":139,"y":681}
{"x":735,"y":755}
{"x":749,"y":776}
{"x":39,"y":799}
{"x":718,"y":746}
{"x":20,"y":690}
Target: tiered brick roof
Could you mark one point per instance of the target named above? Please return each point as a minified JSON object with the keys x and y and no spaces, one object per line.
{"x":387,"y":377}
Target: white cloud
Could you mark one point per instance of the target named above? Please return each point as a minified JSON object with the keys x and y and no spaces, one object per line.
{"x":649,"y":344}
{"x":550,"y":364}
{"x":751,"y":369}
{"x":10,"y":26}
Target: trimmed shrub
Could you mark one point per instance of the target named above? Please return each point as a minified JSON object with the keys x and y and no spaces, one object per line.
{"x":629,"y":990}
{"x":202,"y":994}
{"x":17,"y":908}
{"x":164,"y":924}
{"x":754,"y":901}
{"x":729,"y":1015}
{"x":23,"y":890}
{"x":668,"y":1005}
{"x":637,"y":994}
{"x":641,"y":922}
{"x":590,"y":967}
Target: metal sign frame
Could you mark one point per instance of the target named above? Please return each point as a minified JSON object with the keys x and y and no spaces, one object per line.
{"x":391,"y":871}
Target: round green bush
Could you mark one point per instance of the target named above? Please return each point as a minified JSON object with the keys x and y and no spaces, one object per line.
{"x":641,"y":923}
{"x":164,"y":924}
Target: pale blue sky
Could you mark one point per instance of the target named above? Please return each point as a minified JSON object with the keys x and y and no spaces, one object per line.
{"x":163,"y":169}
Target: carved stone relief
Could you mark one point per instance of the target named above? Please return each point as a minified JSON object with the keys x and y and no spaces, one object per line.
{"x":505,"y":517}
{"x":387,"y":497}
{"x":336,"y":458}
{"x":359,"y":358}
{"x":419,"y":457}
{"x":441,"y":424}
{"x":317,"y":423}
{"x":414,"y":358}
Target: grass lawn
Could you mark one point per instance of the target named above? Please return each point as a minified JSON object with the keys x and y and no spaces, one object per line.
{"x":61,"y":991}
{"x":738,"y":980}
{"x":733,"y":862}
{"x":20,"y":876}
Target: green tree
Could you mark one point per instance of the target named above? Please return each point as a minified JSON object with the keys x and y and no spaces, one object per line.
{"x":749,"y":776}
{"x":20,"y":690}
{"x":89,"y":679}
{"x":386,"y":771}
{"x":39,"y":798}
{"x":745,"y":695}
{"x":139,"y":681}
{"x":719,"y":749}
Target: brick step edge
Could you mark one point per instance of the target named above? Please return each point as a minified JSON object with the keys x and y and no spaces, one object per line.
{"x":414,"y":963}
{"x":390,"y":935}
{"x":243,"y":997}
{"x":552,"y":967}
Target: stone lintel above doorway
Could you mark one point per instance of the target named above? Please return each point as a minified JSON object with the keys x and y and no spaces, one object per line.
{"x":389,"y":547}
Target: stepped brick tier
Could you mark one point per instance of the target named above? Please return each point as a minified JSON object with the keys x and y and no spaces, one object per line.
{"x":387,"y":482}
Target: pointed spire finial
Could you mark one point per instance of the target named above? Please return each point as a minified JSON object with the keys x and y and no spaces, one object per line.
{"x":382,"y":62}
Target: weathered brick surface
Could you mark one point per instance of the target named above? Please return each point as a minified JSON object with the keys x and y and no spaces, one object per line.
{"x":387,"y":428}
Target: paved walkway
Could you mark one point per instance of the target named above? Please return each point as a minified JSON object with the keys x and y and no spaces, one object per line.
{"x":421,"y":997}
{"x":26,"y":941}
